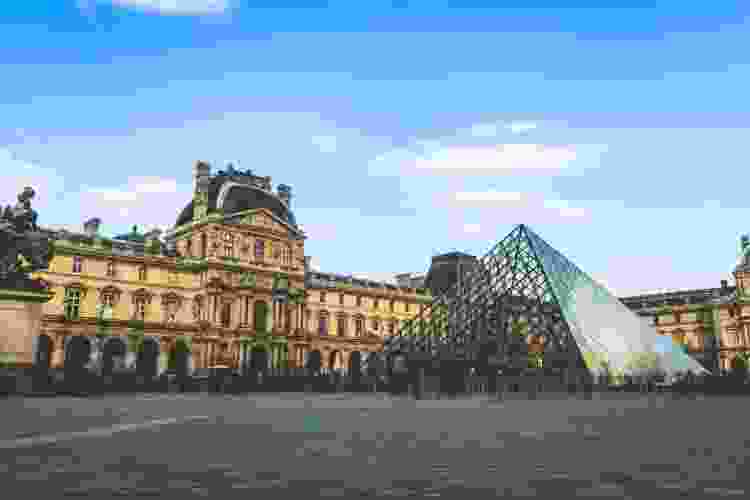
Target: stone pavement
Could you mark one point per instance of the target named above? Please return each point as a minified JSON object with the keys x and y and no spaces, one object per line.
{"x":363,"y":445}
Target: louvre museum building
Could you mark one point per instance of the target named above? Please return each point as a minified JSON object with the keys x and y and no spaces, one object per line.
{"x":231,"y":278}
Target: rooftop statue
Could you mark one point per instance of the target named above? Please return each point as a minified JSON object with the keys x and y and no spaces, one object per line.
{"x":743,"y":253}
{"x":19,"y":235}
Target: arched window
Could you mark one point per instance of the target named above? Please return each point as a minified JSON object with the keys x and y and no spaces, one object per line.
{"x":359,"y":326}
{"x":110,"y":269}
{"x":341,"y":320}
{"x":261,"y":316}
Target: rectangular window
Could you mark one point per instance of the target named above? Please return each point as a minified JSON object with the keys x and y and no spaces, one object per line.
{"x":72,"y":303}
{"x":376,"y":303}
{"x":341,"y":326}
{"x":189,"y":247}
{"x":406,"y":305}
{"x":140,"y":309}
{"x":322,"y":297}
{"x":323,"y":325}
{"x":142,"y":273}
{"x":393,"y":306}
{"x":359,"y":325}
{"x":359,"y":301}
{"x":341,"y":299}
{"x":247,"y":308}
{"x":259,"y":249}
{"x":77,"y":264}
{"x":227,"y":251}
{"x":110,"y":269}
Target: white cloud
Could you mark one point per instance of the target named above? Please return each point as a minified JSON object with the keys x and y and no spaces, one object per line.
{"x":177,"y":7}
{"x":326,"y":143}
{"x":472,"y":228}
{"x":497,"y":159}
{"x":319,"y":231}
{"x":156,"y":185}
{"x":484,"y":130}
{"x":16,"y":173}
{"x":520,"y":127}
{"x":488,"y":196}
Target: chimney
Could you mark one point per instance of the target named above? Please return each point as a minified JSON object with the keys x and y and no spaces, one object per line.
{"x":201,"y":177}
{"x":285,"y":194}
{"x":91,"y":226}
{"x":201,"y":181}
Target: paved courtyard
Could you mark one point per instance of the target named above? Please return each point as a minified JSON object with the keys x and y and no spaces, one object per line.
{"x":349,"y":446}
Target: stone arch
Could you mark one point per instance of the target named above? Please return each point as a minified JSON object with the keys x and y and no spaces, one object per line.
{"x":314,"y":361}
{"x":260,"y":316}
{"x":43,"y":350}
{"x":355,"y":363}
{"x":335,"y":358}
{"x":179,"y":356}
{"x":113,"y":355}
{"x":258,"y":358}
{"x":147,"y":362}
{"x":77,"y":352}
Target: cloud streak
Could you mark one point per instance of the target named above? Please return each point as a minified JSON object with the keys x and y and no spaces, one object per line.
{"x":176,"y":7}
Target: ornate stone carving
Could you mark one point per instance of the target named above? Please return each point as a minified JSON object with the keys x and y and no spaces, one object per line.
{"x":19,"y":235}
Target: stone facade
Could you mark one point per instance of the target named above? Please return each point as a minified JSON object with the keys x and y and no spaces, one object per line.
{"x":212,"y":281}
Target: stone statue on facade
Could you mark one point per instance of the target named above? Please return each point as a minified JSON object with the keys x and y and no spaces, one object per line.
{"x":743,"y":251}
{"x":19,"y":235}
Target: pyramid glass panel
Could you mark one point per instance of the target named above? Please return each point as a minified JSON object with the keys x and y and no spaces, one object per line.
{"x":523,"y":287}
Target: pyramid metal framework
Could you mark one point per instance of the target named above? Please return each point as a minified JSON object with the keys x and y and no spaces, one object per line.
{"x":523,"y":288}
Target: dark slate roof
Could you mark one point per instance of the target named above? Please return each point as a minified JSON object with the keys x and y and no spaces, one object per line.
{"x":239,"y":198}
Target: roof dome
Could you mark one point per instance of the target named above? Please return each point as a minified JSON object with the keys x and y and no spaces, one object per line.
{"x":238,"y":197}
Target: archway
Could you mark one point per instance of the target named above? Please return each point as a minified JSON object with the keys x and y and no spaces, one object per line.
{"x":259,"y":358}
{"x":334,"y":360}
{"x":43,"y":354}
{"x":179,"y":357}
{"x":355,"y":364}
{"x":147,"y":363}
{"x":314,"y":361}
{"x":77,"y":356}
{"x":114,"y":351}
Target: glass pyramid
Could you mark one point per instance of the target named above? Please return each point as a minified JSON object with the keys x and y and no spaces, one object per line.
{"x":525,"y":289}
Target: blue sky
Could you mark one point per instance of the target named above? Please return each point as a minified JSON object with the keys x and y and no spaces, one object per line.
{"x":404,"y":128}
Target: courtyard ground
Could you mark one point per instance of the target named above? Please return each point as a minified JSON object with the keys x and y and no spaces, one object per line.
{"x":346,"y":445}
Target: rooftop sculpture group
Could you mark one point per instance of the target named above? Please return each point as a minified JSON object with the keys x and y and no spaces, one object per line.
{"x":20,"y":236}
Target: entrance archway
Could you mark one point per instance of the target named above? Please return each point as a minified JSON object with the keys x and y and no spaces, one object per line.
{"x":259,"y":358}
{"x":43,"y":354}
{"x":147,"y":362}
{"x":314,"y":361}
{"x":113,"y":355}
{"x":355,"y":363}
{"x":334,"y":360}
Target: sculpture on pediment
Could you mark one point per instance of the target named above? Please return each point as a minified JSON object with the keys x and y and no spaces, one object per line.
{"x":20,"y":236}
